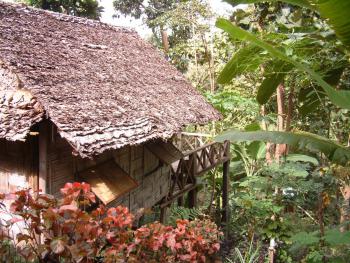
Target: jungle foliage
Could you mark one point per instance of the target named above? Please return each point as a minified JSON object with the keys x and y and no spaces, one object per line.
{"x":84,"y":8}
{"x":281,"y":81}
{"x":296,"y":193}
{"x":279,"y":74}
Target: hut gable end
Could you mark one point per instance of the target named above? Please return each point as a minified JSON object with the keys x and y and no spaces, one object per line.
{"x":102,"y":86}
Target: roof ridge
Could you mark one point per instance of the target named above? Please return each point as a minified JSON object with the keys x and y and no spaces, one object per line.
{"x":68,"y":18}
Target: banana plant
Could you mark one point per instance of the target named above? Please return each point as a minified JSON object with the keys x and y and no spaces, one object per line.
{"x":341,"y":98}
{"x":335,"y":12}
{"x":300,"y":140}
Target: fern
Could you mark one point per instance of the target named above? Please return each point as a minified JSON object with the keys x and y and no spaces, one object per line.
{"x":178,"y":212}
{"x":250,"y":255}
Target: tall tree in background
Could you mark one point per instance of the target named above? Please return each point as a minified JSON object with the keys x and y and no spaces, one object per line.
{"x":84,"y":8}
{"x":150,"y":10}
{"x":191,"y":37}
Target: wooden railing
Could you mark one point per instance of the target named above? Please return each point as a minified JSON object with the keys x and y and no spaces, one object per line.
{"x":193,"y":164}
{"x":187,"y":141}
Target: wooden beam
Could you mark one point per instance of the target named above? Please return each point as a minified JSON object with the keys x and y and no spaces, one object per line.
{"x":192,"y":198}
{"x":225,"y":191}
{"x":163,"y":212}
{"x":181,"y":201}
{"x":178,"y":194}
{"x":212,"y":166}
{"x":196,"y":134}
{"x":192,"y":195}
{"x":44,"y":135}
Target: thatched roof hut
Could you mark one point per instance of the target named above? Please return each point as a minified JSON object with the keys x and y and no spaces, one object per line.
{"x":70,"y":84}
{"x":102,"y":86}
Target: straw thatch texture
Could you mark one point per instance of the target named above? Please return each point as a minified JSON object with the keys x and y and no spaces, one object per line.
{"x":102,"y":86}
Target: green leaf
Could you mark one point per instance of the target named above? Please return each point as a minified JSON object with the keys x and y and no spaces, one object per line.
{"x":302,"y":158}
{"x":340,"y":98}
{"x":304,"y":238}
{"x":302,"y":3}
{"x":257,"y":150}
{"x":311,"y":97}
{"x":336,"y":12}
{"x":255,"y":126}
{"x":244,"y":60}
{"x":272,"y":79}
{"x":314,"y":257}
{"x":302,"y":140}
{"x":335,"y":237}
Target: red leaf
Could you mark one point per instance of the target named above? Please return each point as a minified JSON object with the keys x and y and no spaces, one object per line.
{"x":85,"y":187}
{"x":14,"y":220}
{"x":68,"y":207}
{"x":76,"y":185}
{"x":57,"y":246}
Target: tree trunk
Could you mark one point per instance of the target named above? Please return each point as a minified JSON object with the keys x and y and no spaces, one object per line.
{"x":165,"y":40}
{"x":268,"y":155}
{"x":345,"y":208}
{"x":321,"y":207}
{"x":280,"y":148}
{"x":209,"y":55}
{"x":290,"y":113}
{"x":290,"y":109}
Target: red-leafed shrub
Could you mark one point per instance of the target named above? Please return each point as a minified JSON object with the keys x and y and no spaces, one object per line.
{"x":52,"y":230}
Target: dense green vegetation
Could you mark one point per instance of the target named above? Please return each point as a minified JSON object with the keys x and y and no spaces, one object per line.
{"x":279,"y":74}
{"x":85,"y":8}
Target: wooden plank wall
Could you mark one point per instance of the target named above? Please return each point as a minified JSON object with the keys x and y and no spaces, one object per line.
{"x":60,"y":163}
{"x":18,"y":165}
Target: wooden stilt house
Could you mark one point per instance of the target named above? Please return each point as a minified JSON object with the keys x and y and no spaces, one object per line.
{"x":85,"y":101}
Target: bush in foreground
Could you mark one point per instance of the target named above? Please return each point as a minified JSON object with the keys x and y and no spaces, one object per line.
{"x":55,"y":230}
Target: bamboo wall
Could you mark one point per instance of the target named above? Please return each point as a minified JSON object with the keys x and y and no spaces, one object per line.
{"x":19,"y":168}
{"x":152,"y":178}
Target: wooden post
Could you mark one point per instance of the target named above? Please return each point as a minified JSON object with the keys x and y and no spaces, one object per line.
{"x":32,"y":161}
{"x":180,"y":201}
{"x":44,"y":136}
{"x":192,"y":198}
{"x":225,"y":188}
{"x":192,"y":195}
{"x":163,"y":214}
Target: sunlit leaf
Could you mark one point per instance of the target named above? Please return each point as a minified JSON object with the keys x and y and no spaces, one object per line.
{"x":245,"y":60}
{"x":335,"y":12}
{"x":273,"y":77}
{"x":340,"y":98}
{"x":302,"y":140}
{"x":302,"y":158}
{"x":303,"y":3}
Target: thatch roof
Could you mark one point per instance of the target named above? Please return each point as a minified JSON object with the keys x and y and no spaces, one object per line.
{"x":102,"y":86}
